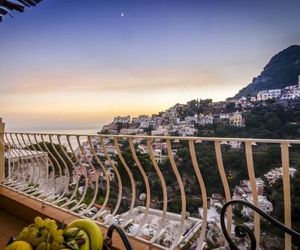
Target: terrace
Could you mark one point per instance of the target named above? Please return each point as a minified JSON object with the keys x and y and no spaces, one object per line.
{"x":106,"y":178}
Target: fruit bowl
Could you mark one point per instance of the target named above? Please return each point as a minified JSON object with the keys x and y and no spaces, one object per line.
{"x":47,"y":234}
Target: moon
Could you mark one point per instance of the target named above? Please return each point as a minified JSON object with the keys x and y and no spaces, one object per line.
{"x":122,"y":14}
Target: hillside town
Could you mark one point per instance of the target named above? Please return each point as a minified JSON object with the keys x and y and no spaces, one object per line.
{"x":186,"y":119}
{"x":171,"y":122}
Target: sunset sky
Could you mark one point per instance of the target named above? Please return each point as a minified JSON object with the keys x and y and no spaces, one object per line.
{"x":78,"y":63}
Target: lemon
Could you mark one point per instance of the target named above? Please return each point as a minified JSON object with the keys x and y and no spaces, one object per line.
{"x":19,"y":245}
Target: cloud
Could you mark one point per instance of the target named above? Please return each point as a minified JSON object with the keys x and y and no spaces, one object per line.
{"x":117,"y":81}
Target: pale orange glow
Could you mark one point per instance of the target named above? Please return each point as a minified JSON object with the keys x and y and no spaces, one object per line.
{"x":89,"y":98}
{"x":134,"y":80}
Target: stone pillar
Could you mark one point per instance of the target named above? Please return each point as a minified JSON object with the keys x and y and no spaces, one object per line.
{"x":2,"y":163}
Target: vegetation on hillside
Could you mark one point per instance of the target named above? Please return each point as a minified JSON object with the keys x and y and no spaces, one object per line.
{"x":265,"y":120}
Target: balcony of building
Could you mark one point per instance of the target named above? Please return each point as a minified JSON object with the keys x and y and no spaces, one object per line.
{"x":154,"y":187}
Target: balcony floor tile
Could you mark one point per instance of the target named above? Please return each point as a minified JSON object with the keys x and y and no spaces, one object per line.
{"x":9,"y":226}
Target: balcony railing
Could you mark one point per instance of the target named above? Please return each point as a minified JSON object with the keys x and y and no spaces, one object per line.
{"x":123,"y":179}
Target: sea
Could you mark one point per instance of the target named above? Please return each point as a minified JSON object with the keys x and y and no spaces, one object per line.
{"x":78,"y":131}
{"x":64,"y":131}
{"x":75,"y":131}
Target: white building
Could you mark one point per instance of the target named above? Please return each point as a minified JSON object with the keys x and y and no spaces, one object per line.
{"x":142,"y":148}
{"x":205,"y":119}
{"x":161,"y":130}
{"x":130,"y":131}
{"x":235,"y":144}
{"x":260,"y":185}
{"x":159,"y":156}
{"x":191,"y":119}
{"x":141,"y":118}
{"x":274,"y":174}
{"x":186,"y":131}
{"x":263,"y":203}
{"x":224,"y":116}
{"x":122,"y":119}
{"x":236,"y":119}
{"x":144,"y":124}
{"x":268,"y":94}
{"x":291,"y":93}
{"x":244,"y":190}
{"x":287,"y":93}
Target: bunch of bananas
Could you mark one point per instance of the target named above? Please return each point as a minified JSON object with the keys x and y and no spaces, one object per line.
{"x":86,"y":230}
{"x":81,"y":234}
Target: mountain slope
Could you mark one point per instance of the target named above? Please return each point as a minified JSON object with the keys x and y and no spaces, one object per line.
{"x":282,"y":70}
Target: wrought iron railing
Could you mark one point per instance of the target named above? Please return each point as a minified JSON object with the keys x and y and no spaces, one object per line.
{"x":104,"y":177}
{"x":242,"y":231}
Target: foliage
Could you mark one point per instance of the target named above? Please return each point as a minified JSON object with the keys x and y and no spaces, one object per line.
{"x":275,"y":194}
{"x":266,"y":120}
